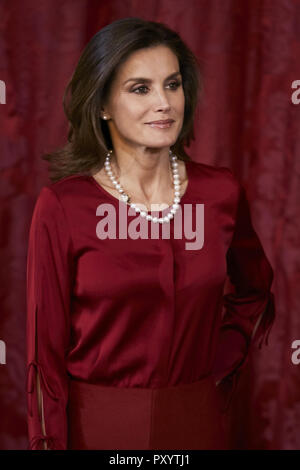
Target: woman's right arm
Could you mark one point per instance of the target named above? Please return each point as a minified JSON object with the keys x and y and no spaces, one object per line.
{"x":41,"y":407}
{"x":49,"y":280}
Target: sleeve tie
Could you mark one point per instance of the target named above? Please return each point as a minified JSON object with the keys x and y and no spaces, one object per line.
{"x":267,"y":320}
{"x":36,"y":443}
{"x":32,"y":366}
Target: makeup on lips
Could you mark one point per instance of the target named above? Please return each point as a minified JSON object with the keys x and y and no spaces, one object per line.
{"x":161,"y":124}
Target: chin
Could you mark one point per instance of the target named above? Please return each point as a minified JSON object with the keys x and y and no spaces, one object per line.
{"x":161,"y":143}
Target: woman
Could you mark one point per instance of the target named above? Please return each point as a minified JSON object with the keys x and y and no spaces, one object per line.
{"x":127,"y":347}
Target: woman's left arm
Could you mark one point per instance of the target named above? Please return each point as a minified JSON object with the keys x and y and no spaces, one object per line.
{"x":250,"y":309}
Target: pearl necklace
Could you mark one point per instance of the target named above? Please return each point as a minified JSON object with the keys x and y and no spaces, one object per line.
{"x":126,"y":198}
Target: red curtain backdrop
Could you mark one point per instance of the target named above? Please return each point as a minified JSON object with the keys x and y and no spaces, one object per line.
{"x":246,"y":121}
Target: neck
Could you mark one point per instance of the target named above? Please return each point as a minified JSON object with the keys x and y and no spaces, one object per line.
{"x":146,"y":176}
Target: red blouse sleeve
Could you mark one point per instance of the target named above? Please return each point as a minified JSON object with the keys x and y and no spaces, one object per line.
{"x":250,"y":309}
{"x":49,"y":273}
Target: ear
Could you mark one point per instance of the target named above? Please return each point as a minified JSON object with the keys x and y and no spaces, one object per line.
{"x":104,"y":115}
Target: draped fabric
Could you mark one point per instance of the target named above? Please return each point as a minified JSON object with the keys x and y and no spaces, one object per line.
{"x":246,"y":122}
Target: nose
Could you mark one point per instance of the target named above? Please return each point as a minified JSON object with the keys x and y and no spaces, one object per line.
{"x":162,"y":102}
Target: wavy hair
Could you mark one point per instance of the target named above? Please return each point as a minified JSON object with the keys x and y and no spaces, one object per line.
{"x":88,"y":135}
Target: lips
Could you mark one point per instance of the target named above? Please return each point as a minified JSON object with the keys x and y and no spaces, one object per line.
{"x":166,"y":121}
{"x":161,"y":124}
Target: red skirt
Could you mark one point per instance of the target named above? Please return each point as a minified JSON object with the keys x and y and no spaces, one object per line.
{"x":187,"y":416}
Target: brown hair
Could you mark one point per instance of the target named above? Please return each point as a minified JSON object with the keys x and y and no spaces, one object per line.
{"x":88,"y":135}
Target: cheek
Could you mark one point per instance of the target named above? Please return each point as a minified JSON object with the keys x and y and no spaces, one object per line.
{"x":179,"y":102}
{"x":129,"y":110}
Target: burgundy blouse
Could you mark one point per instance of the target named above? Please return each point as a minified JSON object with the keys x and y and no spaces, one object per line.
{"x":139,"y":312}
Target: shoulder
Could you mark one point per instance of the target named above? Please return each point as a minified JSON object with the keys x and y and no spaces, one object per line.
{"x":56,"y":197}
{"x":219,"y":180}
{"x":67,"y":187}
{"x":213,"y":171}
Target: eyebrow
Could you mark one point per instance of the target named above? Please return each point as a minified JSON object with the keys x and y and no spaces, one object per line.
{"x":148,"y":80}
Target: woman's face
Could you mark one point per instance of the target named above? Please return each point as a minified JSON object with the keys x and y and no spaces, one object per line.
{"x":147,"y":88}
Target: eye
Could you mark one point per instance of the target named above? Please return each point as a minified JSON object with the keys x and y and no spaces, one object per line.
{"x":143,"y":87}
{"x":142,"y":90}
{"x":175,"y":85}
